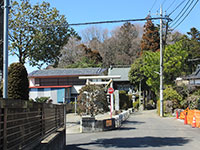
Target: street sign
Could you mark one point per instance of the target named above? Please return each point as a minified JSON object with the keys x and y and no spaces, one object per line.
{"x":110,"y":90}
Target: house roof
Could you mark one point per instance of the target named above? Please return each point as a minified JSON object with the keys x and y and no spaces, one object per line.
{"x":61,"y":86}
{"x":196,"y":74}
{"x":61,"y":72}
{"x":123,"y":72}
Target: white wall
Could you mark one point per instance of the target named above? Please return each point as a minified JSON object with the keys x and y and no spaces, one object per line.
{"x":31,"y":81}
{"x":47,"y":92}
{"x":76,"y":88}
{"x":54,"y":96}
{"x":197,"y":81}
{"x":33,"y":93}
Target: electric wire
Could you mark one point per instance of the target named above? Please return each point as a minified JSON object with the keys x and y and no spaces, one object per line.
{"x":90,"y":23}
{"x":186,"y":14}
{"x":153,"y":5}
{"x":170,"y":5}
{"x":161,"y":5}
{"x":163,"y":2}
{"x":181,"y":13}
{"x":118,"y":21}
{"x":182,"y":2}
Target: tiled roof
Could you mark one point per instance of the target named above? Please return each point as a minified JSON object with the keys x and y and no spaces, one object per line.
{"x":67,"y":72}
{"x":123,"y":72}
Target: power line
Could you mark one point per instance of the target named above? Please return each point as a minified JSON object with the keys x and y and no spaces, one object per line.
{"x":153,"y":5}
{"x":118,"y":21}
{"x":170,"y":5}
{"x":163,"y":2}
{"x":186,"y":14}
{"x":182,"y":13}
{"x":177,"y":7}
{"x":161,"y":5}
{"x":90,"y":23}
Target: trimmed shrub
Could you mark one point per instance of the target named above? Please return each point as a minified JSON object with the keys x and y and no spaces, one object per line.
{"x":18,"y":84}
{"x":92,"y":100}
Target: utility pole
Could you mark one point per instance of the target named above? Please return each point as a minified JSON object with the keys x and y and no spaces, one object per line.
{"x":161,"y":65}
{"x":5,"y":50}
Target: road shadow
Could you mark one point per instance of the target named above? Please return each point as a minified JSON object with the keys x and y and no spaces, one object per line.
{"x":73,"y":122}
{"x":135,"y":142}
{"x":126,"y":128}
{"x":74,"y":147}
{"x":133,"y":122}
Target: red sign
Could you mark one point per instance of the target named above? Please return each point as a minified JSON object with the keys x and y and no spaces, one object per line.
{"x":110,"y":90}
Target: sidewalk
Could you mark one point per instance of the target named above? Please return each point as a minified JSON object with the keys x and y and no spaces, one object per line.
{"x":72,"y":123}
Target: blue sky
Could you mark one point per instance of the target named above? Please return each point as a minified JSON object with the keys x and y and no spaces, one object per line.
{"x":77,"y":11}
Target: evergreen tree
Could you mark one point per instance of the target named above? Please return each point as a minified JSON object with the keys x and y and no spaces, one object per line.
{"x":150,"y":39}
{"x":18,"y":84}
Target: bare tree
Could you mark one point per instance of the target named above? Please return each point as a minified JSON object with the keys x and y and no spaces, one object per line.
{"x":124,"y":45}
{"x":70,"y":52}
{"x":94,"y":32}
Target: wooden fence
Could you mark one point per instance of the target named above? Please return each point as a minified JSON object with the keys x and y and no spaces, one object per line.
{"x":24,"y":124}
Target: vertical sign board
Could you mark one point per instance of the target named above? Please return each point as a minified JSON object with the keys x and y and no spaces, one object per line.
{"x":116,"y":99}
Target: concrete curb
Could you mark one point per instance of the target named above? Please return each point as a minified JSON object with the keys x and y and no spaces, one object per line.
{"x":88,"y":125}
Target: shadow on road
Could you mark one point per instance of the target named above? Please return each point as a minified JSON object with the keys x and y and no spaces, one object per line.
{"x":133,"y":142}
{"x":132,"y":122}
{"x":126,"y":128}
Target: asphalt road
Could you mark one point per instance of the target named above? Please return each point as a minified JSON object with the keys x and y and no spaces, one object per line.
{"x":142,"y":131}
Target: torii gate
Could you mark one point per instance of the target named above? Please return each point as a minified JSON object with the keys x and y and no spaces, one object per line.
{"x":107,"y":83}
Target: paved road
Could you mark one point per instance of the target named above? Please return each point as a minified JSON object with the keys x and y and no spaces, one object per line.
{"x":142,"y":131}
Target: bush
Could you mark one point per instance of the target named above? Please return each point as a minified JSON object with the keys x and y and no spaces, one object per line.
{"x":136,"y":104}
{"x":42,"y":99}
{"x":192,"y":101}
{"x":158,"y":107}
{"x":172,"y":99}
{"x":18,"y":84}
{"x":150,"y":105}
{"x":125,"y":100}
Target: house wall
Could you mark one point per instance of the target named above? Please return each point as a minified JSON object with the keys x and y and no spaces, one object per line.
{"x":195,"y":82}
{"x":54,"y":95}
{"x":40,"y":92}
{"x":33,"y":93}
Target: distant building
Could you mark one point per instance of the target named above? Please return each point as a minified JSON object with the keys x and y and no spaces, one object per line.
{"x":123,"y":83}
{"x":59,"y":84}
{"x":181,"y":81}
{"x":194,"y":78}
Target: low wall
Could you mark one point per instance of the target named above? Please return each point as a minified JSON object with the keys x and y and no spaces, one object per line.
{"x":55,"y":141}
{"x":89,"y":124}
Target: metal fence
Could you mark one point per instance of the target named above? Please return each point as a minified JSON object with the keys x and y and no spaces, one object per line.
{"x":24,"y":124}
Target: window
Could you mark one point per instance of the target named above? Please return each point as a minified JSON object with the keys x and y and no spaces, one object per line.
{"x":59,"y":81}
